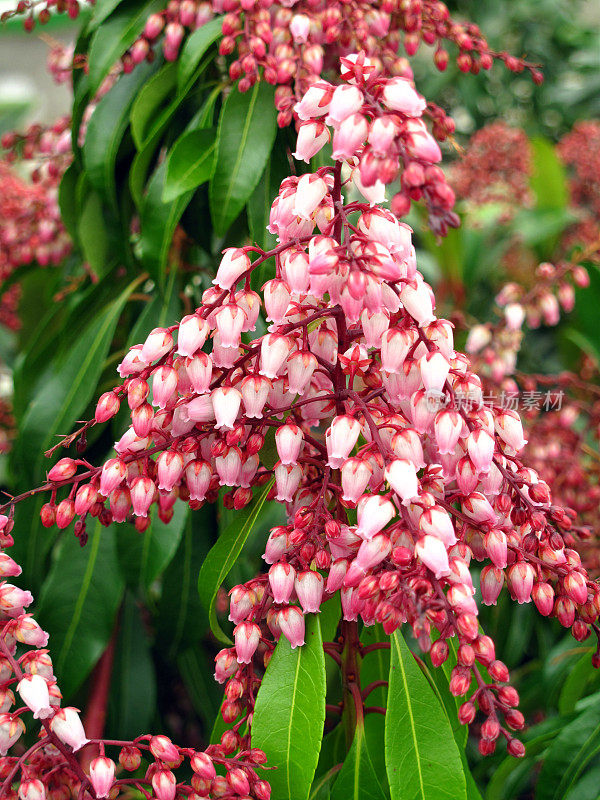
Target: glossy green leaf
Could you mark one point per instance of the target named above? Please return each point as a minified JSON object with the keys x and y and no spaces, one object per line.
{"x":194,"y":48}
{"x":190,"y":163}
{"x":69,"y":211}
{"x":548,"y":179}
{"x":149,"y":100}
{"x":290,"y":712}
{"x":132,"y":698}
{"x":569,"y":755}
{"x":247,"y":128}
{"x":180,"y":622}
{"x":158,"y":221}
{"x":106,"y":129}
{"x":223,"y":556}
{"x":422,"y":758}
{"x":145,"y":556}
{"x":92,"y":233}
{"x":69,"y":386}
{"x":357,"y":779}
{"x":114,"y":36}
{"x":79,"y":601}
{"x":580,"y":675}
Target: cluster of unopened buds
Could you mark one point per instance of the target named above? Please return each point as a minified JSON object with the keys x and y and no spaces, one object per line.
{"x":392,"y":484}
{"x":41,"y":11}
{"x":579,"y":150}
{"x":50,"y":767}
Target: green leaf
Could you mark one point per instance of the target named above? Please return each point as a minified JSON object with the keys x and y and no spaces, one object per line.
{"x":357,"y":779}
{"x":194,"y":48}
{"x":148,"y":101}
{"x":190,"y":163}
{"x":158,"y":221}
{"x":145,"y":556}
{"x":222,"y":557}
{"x":67,"y":198}
{"x":114,"y":36}
{"x":181,"y":622}
{"x":78,"y":603}
{"x":69,"y":386}
{"x":92,"y":233}
{"x":106,"y":129}
{"x":576,"y":684}
{"x":570,"y":753}
{"x":548,"y":179}
{"x":196,"y":668}
{"x":132,"y":699}
{"x":290,"y":712}
{"x":422,"y":758}
{"x":247,"y":128}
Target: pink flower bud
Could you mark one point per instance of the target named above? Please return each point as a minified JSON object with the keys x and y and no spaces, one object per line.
{"x":340,"y":438}
{"x":255,"y":392}
{"x":310,"y":192}
{"x":164,"y":785}
{"x":299,"y":28}
{"x":350,"y":135}
{"x":66,"y":724}
{"x":273,"y":352}
{"x":373,"y":514}
{"x":164,"y":386}
{"x":435,"y":521}
{"x":32,"y":790}
{"x":191,"y":334}
{"x":543,"y":597}
{"x":29,"y":632}
{"x":281,"y":580}
{"x":233,"y":265}
{"x":142,"y":494}
{"x":510,"y":429}
{"x":418,"y":302}
{"x":197,"y":477}
{"x":276,"y":546}
{"x":312,"y":137}
{"x":478,"y":507}
{"x":62,"y":470}
{"x":226,"y":402}
{"x":287,"y":480}
{"x":434,"y":371}
{"x":491,"y":583}
{"x":395,"y":345}
{"x":356,"y":474}
{"x":399,"y":95}
{"x":309,"y":587}
{"x":291,"y":622}
{"x":202,"y":764}
{"x":199,"y":372}
{"x":247,"y":637}
{"x":8,"y":567}
{"x":230,"y":320}
{"x":277,"y":299}
{"x":13,"y":599}
{"x":432,"y":552}
{"x":157,"y":345}
{"x":113,"y":472}
{"x":336,"y":576}
{"x":496,"y":546}
{"x":316,"y":101}
{"x":288,"y":441}
{"x":163,"y":748}
{"x":345,"y":102}
{"x":575,"y":586}
{"x":170,"y":469}
{"x":520,"y":581}
{"x":421,"y":144}
{"x":225,"y":665}
{"x":373,"y":552}
{"x":460,"y":598}
{"x":401,"y":475}
{"x":229,"y":466}
{"x":300,"y":368}
{"x":102,"y":775}
{"x":34,"y":693}
{"x":11,"y":728}
{"x":480,"y":447}
{"x":448,"y":427}
{"x":241,"y":603}
{"x":132,"y":363}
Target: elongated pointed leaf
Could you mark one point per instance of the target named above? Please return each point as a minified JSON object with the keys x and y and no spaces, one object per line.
{"x":158,"y":221}
{"x":114,"y":36}
{"x":190,"y":163}
{"x":70,"y":386}
{"x":194,"y":48}
{"x":247,"y":127}
{"x":422,"y":758}
{"x":290,"y":713}
{"x":222,"y":557}
{"x":106,"y":129}
{"x":78,"y":603}
{"x":570,"y":753}
{"x":357,"y":779}
{"x":145,"y":556}
{"x":150,"y":98}
{"x":132,"y":699}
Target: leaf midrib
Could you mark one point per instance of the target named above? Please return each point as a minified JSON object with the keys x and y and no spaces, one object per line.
{"x":247,"y":123}
{"x":412,"y":719}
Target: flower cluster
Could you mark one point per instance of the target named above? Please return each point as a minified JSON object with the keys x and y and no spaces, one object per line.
{"x":580,"y":150}
{"x":393,"y":486}
{"x":495,"y":168}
